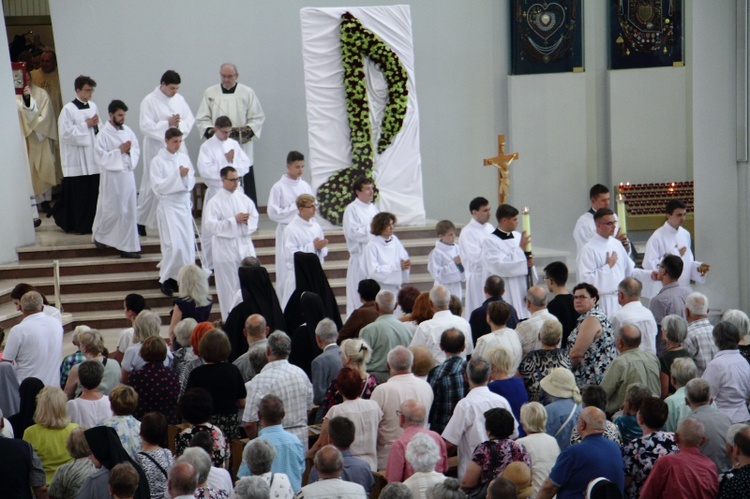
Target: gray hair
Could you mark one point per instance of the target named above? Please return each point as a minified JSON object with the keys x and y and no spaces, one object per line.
{"x":234,"y":66}
{"x":279,"y":344}
{"x":440,"y":297}
{"x":250,"y":262}
{"x":251,"y":487}
{"x":327,"y":331}
{"x":259,"y":455}
{"x":183,"y":477}
{"x":630,"y":287}
{"x":447,"y":489}
{"x":537,"y":296}
{"x":328,"y":460}
{"x":739,"y":319}
{"x":698,"y":391}
{"x":199,"y":459}
{"x":183,"y":330}
{"x":422,"y":453}
{"x":550,"y":332}
{"x":691,"y":432}
{"x":386,"y":301}
{"x":478,"y":370}
{"x":146,"y":324}
{"x":726,"y":336}
{"x":400,"y":358}
{"x":396,"y":490}
{"x":697,"y":303}
{"x":414,"y":412}
{"x":733,"y":430}
{"x":31,"y":301}
{"x":675,"y":328}
{"x":683,"y":369}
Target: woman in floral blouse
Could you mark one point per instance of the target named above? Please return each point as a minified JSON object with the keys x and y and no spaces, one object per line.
{"x":196,"y":407}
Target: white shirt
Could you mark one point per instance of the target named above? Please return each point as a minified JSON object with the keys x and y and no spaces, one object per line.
{"x":443,"y":268}
{"x":219,"y":478}
{"x":211,"y":159}
{"x":231,"y":240}
{"x":382,"y":262}
{"x":282,"y":206}
{"x":470,"y":250}
{"x":126,"y":339}
{"x":505,"y":258}
{"x":502,"y":338}
{"x":156,"y":110}
{"x":528,"y":330}
{"x":585,"y":229}
{"x":332,"y":488}
{"x":77,"y":140}
{"x":543,"y":450}
{"x":89,"y":413}
{"x":300,"y":236}
{"x":428,"y":333}
{"x":641,"y":317}
{"x":357,"y":219}
{"x":666,"y":240}
{"x":466,"y":427}
{"x":107,"y":148}
{"x":366,"y":416}
{"x":35,"y":345}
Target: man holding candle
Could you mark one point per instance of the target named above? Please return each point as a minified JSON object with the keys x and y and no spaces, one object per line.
{"x":585,"y":228}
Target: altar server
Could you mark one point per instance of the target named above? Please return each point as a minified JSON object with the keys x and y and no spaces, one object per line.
{"x":444,"y":261}
{"x":385,"y":260}
{"x":470,"y":251}
{"x":585,"y":228}
{"x":116,"y":152}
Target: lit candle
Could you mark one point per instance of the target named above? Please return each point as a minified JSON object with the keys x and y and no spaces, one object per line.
{"x":621,"y":214}
{"x":526,"y":224}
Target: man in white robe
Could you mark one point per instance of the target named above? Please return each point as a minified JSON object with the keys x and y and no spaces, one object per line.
{"x":172,"y":179}
{"x":586,"y":228}
{"x":603,"y":262}
{"x":302,"y":234}
{"x":161,"y":109}
{"x":238,"y":103}
{"x":357,"y":218}
{"x":470,"y":251}
{"x":282,"y":207}
{"x":216,"y":153}
{"x":503,"y":255}
{"x":116,"y":151}
{"x":229,"y":218}
{"x":672,"y":239}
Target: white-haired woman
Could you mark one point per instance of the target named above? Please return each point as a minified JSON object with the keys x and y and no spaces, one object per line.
{"x":258,"y":456}
{"x":542,"y":448}
{"x":201,"y":461}
{"x":181,"y":347}
{"x":354,"y":353}
{"x":92,"y":347}
{"x":741,"y":320}
{"x":146,"y":325}
{"x":423,"y":453}
{"x":193,"y":300}
{"x":674,"y":331}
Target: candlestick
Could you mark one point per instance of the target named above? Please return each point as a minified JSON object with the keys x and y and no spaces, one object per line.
{"x":526,"y":224}
{"x":621,"y":214}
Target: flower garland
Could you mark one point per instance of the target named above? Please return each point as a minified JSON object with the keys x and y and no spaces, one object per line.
{"x":358,"y":42}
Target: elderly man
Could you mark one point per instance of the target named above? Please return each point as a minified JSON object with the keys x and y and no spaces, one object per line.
{"x":501,"y":336}
{"x":428,"y":332}
{"x":239,"y":103}
{"x":384,"y":334}
{"x":288,"y":382}
{"x":686,"y":474}
{"x":632,"y":365}
{"x":182,"y":481}
{"x":466,"y":430}
{"x":367,"y":290}
{"x":633,"y":312}
{"x":594,"y":457}
{"x":326,"y":366}
{"x":35,"y":345}
{"x":728,"y":375}
{"x":357,"y":218}
{"x":494,"y":287}
{"x":412,"y":419}
{"x":162,"y":109}
{"x":671,"y":297}
{"x":401,"y":386}
{"x":528,"y":330}
{"x":330,"y":464}
{"x":229,"y":219}
{"x":255,"y":332}
{"x":699,"y":341}
{"x":470,"y":251}
{"x":715,"y":423}
{"x":48,"y":78}
{"x":447,"y":380}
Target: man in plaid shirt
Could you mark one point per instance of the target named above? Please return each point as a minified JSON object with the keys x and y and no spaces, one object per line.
{"x":448,"y":380}
{"x":700,"y":340}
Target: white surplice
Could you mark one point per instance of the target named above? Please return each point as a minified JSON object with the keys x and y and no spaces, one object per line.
{"x":443,"y":268}
{"x":667,"y":241}
{"x":156,"y":110}
{"x":506,"y":259}
{"x":77,"y":140}
{"x":357,"y":219}
{"x":470,"y":250}
{"x":298,"y":236}
{"x":381,"y":262}
{"x":586,"y":228}
{"x":115,"y":220}
{"x":282,"y":208}
{"x":231,"y":241}
{"x":174,"y":217}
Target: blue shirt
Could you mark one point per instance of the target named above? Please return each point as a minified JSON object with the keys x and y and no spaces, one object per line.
{"x":356,"y":470}
{"x":557,"y":412}
{"x":515,"y":393}
{"x":290,"y":456}
{"x":577,"y":465}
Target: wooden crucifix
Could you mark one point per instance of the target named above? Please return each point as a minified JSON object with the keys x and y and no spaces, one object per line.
{"x":502,"y":162}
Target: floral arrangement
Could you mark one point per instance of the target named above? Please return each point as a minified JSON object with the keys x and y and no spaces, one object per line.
{"x":358,"y":42}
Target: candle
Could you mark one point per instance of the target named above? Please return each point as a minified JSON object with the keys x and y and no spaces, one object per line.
{"x":621,"y":214}
{"x":526,"y":224}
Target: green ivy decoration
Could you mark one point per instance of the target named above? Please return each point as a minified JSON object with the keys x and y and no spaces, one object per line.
{"x":358,"y":42}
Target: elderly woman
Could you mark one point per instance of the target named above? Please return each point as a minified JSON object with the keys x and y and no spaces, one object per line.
{"x":491,"y":457}
{"x":728,"y":374}
{"x":505,"y":383}
{"x":355,"y":353}
{"x":365,"y":414}
{"x":542,"y":448}
{"x":258,"y":456}
{"x":154,"y":459}
{"x":157,"y":385}
{"x":181,"y":347}
{"x":92,"y":347}
{"x":196,"y":408}
{"x":591,"y":345}
{"x":146,"y":325}
{"x":201,"y":461}
{"x":640,"y":454}
{"x":683,"y":370}
{"x":674,"y":331}
{"x":195,"y":338}
{"x":194,"y":298}
{"x":51,"y":430}
{"x":69,"y":477}
{"x":124,"y":399}
{"x":563,"y":411}
{"x":741,"y":320}
{"x":538,"y":363}
{"x":222,"y":379}
{"x":423,"y":453}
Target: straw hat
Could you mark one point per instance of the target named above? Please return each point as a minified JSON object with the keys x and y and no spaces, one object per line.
{"x":520,"y":474}
{"x":561,"y":383}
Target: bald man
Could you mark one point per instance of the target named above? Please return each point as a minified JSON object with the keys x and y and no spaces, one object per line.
{"x":255,"y":332}
{"x":528,"y":330}
{"x":633,"y":312}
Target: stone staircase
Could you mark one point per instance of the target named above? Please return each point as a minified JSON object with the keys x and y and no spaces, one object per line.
{"x":94,"y":283}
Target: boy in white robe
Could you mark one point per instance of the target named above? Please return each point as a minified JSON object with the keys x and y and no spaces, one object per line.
{"x":216,"y":153}
{"x":385,"y":260}
{"x":116,"y":151}
{"x":282,"y":207}
{"x":302,"y":234}
{"x":229,"y":218}
{"x":357,"y":218}
{"x":172,"y":179}
{"x":444,"y":262}
{"x":470,"y":251}
{"x":162,"y":109}
{"x":503,"y":255}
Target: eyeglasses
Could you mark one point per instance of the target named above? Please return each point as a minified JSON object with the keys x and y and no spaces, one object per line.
{"x":580,"y":297}
{"x":228,"y":77}
{"x":232,"y":179}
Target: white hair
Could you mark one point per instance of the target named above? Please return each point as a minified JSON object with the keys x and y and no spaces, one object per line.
{"x":697,"y":303}
{"x":251,"y":487}
{"x":422,"y":453}
{"x":327,"y":331}
{"x":199,"y":459}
